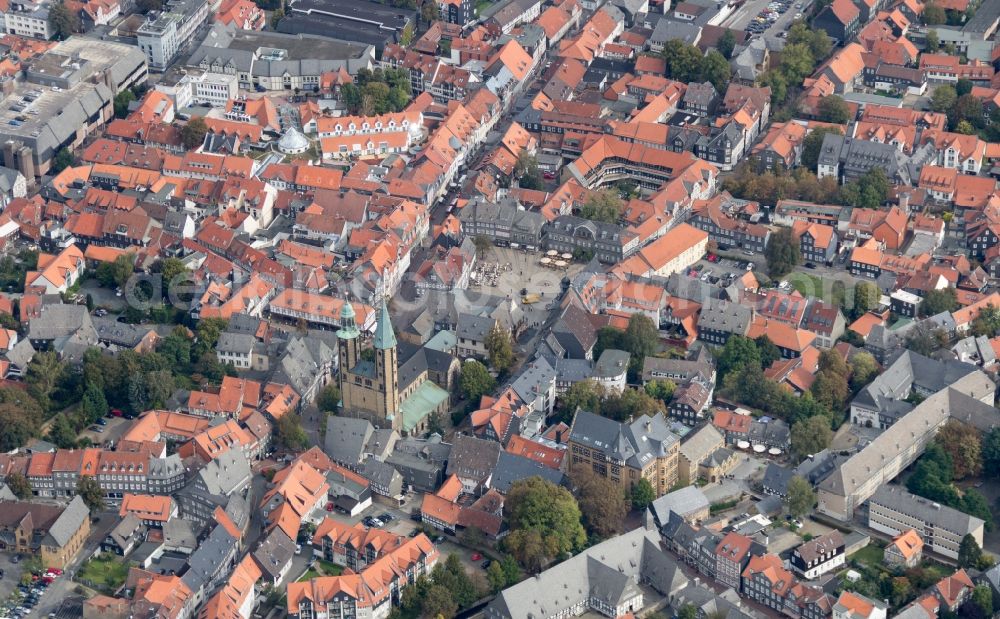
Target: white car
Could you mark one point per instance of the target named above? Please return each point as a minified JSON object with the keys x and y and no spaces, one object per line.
{"x":298,"y":549}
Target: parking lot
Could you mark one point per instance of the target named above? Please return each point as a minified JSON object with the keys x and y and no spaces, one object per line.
{"x":113,"y":430}
{"x":11,"y":575}
{"x":771,"y":16}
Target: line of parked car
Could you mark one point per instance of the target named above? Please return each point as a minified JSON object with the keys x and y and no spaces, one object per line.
{"x":21,"y":601}
{"x":770,"y":14}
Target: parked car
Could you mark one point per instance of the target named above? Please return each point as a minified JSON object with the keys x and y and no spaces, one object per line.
{"x":298,"y":549}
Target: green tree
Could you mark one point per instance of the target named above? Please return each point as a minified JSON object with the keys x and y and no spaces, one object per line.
{"x":982,"y":598}
{"x":963,"y":87}
{"x":475,"y":381}
{"x":207,"y":334}
{"x":90,"y":491}
{"x":864,"y":369}
{"x":276,"y":17}
{"x":811,"y":436}
{"x":739,"y":351}
{"x":683,"y":61}
{"x":965,"y":128}
{"x":19,"y":485}
{"x":776,"y":81}
{"x":629,"y":403}
{"x":782,"y":253}
{"x":937,"y":301}
{"x":820,"y":45}
{"x":812,"y":145}
{"x":601,"y":502}
{"x":483,"y":245}
{"x":193,"y":133}
{"x":328,"y":398}
{"x":934,"y":15}
{"x":603,"y":205}
{"x":498,"y":348}
{"x":660,"y":389}
{"x":121,"y":102}
{"x":943,"y":98}
{"x":642,"y":494}
{"x":429,"y":12}
{"x":975,"y":504}
{"x":967,"y":108}
{"x":62,"y":160}
{"x":496,"y":577}
{"x":715,"y":69}
{"x":44,"y":374}
{"x":769,"y":353}
{"x":969,"y":552}
{"x":587,"y":394}
{"x":991,"y":453}
{"x":526,"y":171}
{"x":726,"y":44}
{"x":406,"y":37}
{"x":688,"y":611}
{"x":63,"y":21}
{"x":117,"y":273}
{"x":438,"y":602}
{"x":544,"y":520}
{"x":94,"y":405}
{"x":932,"y":41}
{"x":833,"y":109}
{"x":961,"y":442}
{"x":290,"y":432}
{"x":866,"y":298}
{"x":831,"y":387}
{"x":801,"y":497}
{"x":797,"y":62}
{"x":62,"y":434}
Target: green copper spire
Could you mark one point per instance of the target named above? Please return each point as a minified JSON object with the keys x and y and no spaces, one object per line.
{"x":384,"y":337}
{"x":348,"y":326}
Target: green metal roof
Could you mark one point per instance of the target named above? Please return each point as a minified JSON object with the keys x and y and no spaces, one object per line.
{"x":421,"y":403}
{"x":384,"y":336}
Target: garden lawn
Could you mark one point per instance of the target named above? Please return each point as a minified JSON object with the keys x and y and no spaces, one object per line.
{"x":870,"y":555}
{"x":109,"y":571}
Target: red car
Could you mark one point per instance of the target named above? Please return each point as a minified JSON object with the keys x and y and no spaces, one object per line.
{"x":548,"y":175}
{"x":476,"y":556}
{"x":116,"y":412}
{"x":56,"y":571}
{"x":329,"y":507}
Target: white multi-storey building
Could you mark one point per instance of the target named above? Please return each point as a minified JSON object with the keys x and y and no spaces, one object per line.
{"x":163,"y":35}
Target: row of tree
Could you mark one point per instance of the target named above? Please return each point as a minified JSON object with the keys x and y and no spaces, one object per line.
{"x":769,"y":186}
{"x":804,"y":49}
{"x":955,"y":454}
{"x":377,"y":91}
{"x":686,"y":63}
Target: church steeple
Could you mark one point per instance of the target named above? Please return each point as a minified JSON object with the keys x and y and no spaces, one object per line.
{"x":348,"y":324}
{"x":384,"y":337}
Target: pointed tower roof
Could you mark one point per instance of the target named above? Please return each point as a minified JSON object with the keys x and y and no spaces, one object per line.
{"x":384,"y":336}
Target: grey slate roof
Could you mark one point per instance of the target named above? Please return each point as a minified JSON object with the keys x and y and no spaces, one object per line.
{"x":346,"y":439}
{"x":209,"y":558}
{"x":473,"y":327}
{"x":227,"y":473}
{"x":726,"y":317}
{"x":69,"y":521}
{"x":898,"y":499}
{"x":607,"y":571}
{"x":511,"y":468}
{"x":274,"y":553}
{"x":235,"y":343}
{"x":683,"y":502}
{"x":907,"y":371}
{"x":473,"y":458}
{"x":61,"y":321}
{"x":635,"y":444}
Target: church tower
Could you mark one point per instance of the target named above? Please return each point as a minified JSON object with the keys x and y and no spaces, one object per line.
{"x":349,"y":339}
{"x":386,"y":373}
